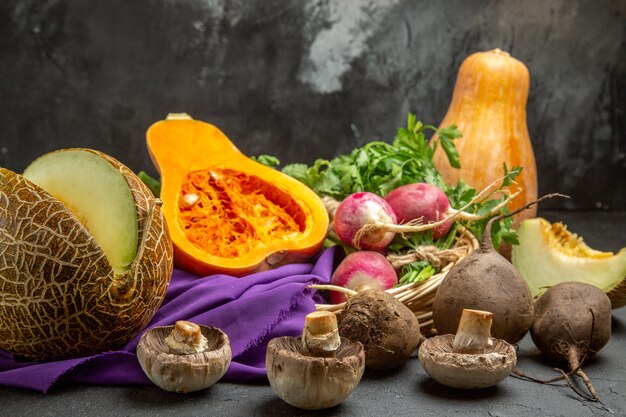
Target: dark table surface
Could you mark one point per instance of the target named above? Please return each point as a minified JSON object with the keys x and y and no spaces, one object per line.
{"x":407,"y":391}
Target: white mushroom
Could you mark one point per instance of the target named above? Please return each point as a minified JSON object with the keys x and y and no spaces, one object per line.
{"x":185,"y":357}
{"x":318,"y":370}
{"x":471,"y":359}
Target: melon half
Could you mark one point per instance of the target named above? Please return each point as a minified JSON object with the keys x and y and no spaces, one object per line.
{"x":548,"y":254}
{"x":85,"y":256}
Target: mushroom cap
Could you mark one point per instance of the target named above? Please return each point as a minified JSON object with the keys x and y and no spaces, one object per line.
{"x":184,"y":372}
{"x":311,"y":382}
{"x":463,"y":370}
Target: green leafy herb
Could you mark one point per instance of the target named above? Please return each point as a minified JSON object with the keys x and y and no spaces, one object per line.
{"x":380,"y":167}
{"x":416,"y":272}
{"x":267,"y":160}
{"x":420,"y":270}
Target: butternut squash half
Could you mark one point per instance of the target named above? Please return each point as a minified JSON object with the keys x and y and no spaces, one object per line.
{"x":226,"y":212}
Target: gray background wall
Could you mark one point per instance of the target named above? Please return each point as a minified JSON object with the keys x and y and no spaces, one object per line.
{"x":313,"y":78}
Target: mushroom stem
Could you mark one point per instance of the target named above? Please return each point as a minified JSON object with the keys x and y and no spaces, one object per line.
{"x":186,"y":337}
{"x":473,"y":335}
{"x":320,"y":335}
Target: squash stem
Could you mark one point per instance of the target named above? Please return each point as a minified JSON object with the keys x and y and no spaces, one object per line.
{"x":178,"y":116}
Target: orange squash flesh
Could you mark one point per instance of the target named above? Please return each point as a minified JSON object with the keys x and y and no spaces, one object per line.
{"x":226,"y":212}
{"x":489,"y":108}
{"x":234,"y":212}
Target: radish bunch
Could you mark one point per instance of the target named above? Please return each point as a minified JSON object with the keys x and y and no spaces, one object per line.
{"x":369,"y":223}
{"x":366,"y":221}
{"x":368,"y":268}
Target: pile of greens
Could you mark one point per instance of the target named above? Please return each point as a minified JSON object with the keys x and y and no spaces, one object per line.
{"x":380,"y":167}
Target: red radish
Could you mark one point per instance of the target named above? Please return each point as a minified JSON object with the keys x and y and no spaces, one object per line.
{"x":421,"y":201}
{"x":360,"y":271}
{"x":358,"y":210}
{"x":418,"y":224}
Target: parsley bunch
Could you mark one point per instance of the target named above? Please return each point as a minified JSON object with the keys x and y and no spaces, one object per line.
{"x":380,"y":167}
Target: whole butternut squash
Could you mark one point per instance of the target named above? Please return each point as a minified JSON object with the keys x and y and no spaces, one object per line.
{"x":226,"y":212}
{"x":489,"y":108}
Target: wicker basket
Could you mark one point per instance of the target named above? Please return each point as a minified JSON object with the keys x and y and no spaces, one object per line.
{"x":418,"y":296}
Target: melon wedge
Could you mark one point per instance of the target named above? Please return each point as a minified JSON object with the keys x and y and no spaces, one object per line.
{"x":97,"y":194}
{"x":548,"y":254}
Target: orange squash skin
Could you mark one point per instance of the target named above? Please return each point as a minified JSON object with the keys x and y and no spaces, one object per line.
{"x":179,"y":146}
{"x":489,"y":108}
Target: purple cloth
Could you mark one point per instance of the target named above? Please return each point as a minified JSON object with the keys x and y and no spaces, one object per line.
{"x":250,"y":310}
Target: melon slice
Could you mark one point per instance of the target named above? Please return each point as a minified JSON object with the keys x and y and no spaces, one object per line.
{"x":548,"y":254}
{"x":97,"y":194}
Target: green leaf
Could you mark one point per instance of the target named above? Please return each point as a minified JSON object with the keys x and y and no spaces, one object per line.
{"x":297,"y":171}
{"x":461,"y":194}
{"x":488,"y":206}
{"x":362,"y":159}
{"x":267,"y":160}
{"x":450,"y":132}
{"x":451,"y":152}
{"x":510,"y":236}
{"x":410,"y":122}
{"x":509,"y":176}
{"x":418,"y":127}
{"x":445,"y":136}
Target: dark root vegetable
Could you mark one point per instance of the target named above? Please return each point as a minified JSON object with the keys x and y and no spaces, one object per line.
{"x":572,"y":321}
{"x":388,"y":330}
{"x":485,"y":280}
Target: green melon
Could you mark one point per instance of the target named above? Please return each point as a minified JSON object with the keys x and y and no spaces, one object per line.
{"x":85,"y":256}
{"x":548,"y":254}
